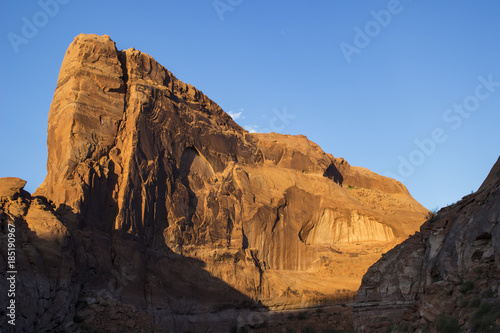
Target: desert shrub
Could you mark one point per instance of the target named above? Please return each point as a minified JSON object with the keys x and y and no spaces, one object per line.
{"x":479,"y":270}
{"x":483,"y":309}
{"x":81,"y":304}
{"x":78,"y":319}
{"x":484,"y":318}
{"x":466,"y":287}
{"x":432,"y":215}
{"x":489,"y":293}
{"x":319,"y":311}
{"x":425,"y":328}
{"x":486,"y":324}
{"x":463,"y":303}
{"x":350,"y":187}
{"x":308,"y":329}
{"x":447,"y":324}
{"x":475,"y":302}
{"x":302,"y":315}
{"x":404,"y":327}
{"x":330,"y":330}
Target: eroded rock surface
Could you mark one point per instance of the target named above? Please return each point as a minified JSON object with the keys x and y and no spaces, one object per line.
{"x":164,"y":203}
{"x":45,"y":291}
{"x":449,"y":270}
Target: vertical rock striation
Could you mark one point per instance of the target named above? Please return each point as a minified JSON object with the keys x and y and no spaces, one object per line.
{"x":173,"y":208}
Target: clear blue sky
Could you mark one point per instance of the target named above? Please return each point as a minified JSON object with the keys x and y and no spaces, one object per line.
{"x":363,"y":79}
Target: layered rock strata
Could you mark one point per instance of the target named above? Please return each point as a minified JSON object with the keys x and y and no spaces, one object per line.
{"x":162,"y":202}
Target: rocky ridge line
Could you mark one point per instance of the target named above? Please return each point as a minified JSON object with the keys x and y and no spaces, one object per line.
{"x":448,"y":273}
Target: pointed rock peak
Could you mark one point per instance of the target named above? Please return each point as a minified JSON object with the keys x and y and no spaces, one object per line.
{"x":104,"y":98}
{"x":492,"y":178}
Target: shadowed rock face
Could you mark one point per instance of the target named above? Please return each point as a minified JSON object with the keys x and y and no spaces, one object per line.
{"x":450,"y":268}
{"x":45,"y":290}
{"x":174,"y":208}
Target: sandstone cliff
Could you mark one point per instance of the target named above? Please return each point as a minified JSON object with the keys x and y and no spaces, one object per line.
{"x":160,"y":201}
{"x":444,"y":277}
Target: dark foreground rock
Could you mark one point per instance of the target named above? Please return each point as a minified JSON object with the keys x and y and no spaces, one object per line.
{"x":446,"y":276}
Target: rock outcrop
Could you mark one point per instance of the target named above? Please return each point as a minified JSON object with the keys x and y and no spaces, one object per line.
{"x":157,"y":199}
{"x":445,"y":276}
{"x":44,"y":262}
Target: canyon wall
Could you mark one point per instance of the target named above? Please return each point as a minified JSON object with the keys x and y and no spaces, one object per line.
{"x":162,"y":202}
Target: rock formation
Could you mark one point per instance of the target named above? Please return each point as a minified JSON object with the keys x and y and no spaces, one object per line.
{"x":155,"y":198}
{"x":445,"y":276}
{"x":46,"y":292}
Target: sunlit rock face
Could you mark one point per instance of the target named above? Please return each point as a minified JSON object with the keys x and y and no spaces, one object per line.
{"x":335,"y":227}
{"x":175,"y":209}
{"x":448,"y":272}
